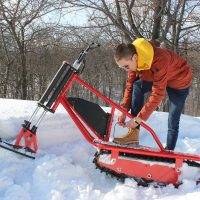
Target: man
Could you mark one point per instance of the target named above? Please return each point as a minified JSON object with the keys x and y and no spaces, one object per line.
{"x":160,"y":71}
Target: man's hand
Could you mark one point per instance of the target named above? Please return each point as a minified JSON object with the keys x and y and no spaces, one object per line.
{"x":133,"y":123}
{"x":121,"y":119}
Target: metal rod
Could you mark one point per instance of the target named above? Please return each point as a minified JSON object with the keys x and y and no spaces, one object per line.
{"x":153,"y":135}
{"x":40,"y":118}
{"x":110,"y":123}
{"x":146,"y":151}
{"x":34,"y":113}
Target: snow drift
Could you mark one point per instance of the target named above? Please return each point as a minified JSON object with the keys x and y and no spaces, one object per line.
{"x":63,"y":168}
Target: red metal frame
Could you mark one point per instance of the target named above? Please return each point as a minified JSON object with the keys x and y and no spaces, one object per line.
{"x":28,"y":139}
{"x":156,"y":172}
{"x":139,"y":169}
{"x":78,"y":120}
{"x":130,"y":167}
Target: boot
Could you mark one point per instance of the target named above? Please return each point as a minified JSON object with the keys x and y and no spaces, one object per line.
{"x":132,"y":137}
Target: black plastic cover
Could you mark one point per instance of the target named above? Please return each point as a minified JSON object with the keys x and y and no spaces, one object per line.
{"x":92,"y":113}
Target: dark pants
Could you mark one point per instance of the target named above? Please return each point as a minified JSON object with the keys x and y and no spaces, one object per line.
{"x":176,"y":103}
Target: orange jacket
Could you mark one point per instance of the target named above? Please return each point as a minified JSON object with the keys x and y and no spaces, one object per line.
{"x":167,"y":70}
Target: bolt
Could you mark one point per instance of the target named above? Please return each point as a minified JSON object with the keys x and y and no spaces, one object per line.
{"x":119,"y":169}
{"x":113,"y":161}
{"x":149,"y":176}
{"x":178,"y":170}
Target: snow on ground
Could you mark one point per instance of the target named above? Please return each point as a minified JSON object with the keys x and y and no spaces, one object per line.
{"x":63,"y":169}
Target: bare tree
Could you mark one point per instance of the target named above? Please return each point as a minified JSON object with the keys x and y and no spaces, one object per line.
{"x":164,"y":22}
{"x":19,"y":20}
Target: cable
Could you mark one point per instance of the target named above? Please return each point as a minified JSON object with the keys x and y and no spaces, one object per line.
{"x":114,"y":130}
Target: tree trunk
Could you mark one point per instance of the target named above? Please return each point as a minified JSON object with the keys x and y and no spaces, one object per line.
{"x":159,"y":6}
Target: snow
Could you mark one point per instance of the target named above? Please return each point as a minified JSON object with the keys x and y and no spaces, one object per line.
{"x":63,"y":168}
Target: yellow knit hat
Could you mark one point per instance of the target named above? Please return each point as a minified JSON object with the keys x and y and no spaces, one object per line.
{"x":145,"y":53}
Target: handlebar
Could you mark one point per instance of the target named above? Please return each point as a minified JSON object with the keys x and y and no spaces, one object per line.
{"x":82,"y":55}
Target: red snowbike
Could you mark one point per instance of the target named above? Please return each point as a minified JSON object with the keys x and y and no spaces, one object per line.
{"x":145,"y":164}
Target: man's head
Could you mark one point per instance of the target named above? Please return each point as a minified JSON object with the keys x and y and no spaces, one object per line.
{"x":126,"y":57}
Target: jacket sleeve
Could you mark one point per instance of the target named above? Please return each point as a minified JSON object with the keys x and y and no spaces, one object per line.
{"x":126,"y":102}
{"x":158,"y":88}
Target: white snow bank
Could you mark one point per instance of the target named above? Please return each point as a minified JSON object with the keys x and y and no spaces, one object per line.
{"x":63,"y":169}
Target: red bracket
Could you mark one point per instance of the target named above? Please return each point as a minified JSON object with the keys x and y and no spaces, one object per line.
{"x":27,"y":139}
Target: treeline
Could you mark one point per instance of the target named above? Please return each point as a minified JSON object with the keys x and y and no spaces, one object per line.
{"x":35,"y":39}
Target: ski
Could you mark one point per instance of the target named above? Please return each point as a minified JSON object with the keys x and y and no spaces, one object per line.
{"x":16,"y":149}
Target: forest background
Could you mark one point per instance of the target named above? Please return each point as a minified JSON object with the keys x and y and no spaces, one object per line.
{"x":37,"y":35}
